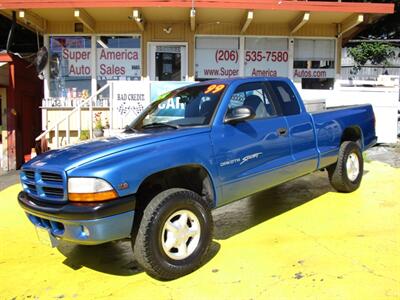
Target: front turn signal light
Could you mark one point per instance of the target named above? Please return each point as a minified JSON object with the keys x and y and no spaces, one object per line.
{"x":92,"y":197}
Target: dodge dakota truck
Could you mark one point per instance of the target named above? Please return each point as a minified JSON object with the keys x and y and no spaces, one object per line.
{"x":193,"y":149}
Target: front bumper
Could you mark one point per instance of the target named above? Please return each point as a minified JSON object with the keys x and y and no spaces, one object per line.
{"x":89,"y":224}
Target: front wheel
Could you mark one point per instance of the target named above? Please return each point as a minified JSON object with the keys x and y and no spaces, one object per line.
{"x":345,"y":176}
{"x":174,"y":234}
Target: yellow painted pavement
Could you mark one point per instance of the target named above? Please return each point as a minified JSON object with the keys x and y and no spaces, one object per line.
{"x":324,"y":246}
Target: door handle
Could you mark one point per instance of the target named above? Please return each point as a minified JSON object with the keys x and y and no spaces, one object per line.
{"x":282,"y":131}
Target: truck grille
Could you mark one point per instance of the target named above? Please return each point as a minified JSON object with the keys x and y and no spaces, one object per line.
{"x":44,"y":185}
{"x":51,"y":177}
{"x":30,"y":175}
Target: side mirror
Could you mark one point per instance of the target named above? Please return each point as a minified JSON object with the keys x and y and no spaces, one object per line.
{"x":239,"y":114}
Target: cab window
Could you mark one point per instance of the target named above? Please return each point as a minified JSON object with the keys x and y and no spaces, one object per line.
{"x":253,"y":95}
{"x":285,"y":97}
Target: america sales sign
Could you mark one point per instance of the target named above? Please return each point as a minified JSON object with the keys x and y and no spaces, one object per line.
{"x":111,"y":63}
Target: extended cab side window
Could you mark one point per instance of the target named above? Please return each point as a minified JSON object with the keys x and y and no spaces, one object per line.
{"x":254,"y":96}
{"x":285,"y":97}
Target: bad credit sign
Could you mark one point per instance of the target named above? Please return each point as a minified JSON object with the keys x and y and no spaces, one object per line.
{"x":130,"y":98}
{"x":120,"y":62}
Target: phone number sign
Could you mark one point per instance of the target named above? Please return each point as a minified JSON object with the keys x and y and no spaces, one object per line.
{"x":270,"y":63}
{"x":224,"y":63}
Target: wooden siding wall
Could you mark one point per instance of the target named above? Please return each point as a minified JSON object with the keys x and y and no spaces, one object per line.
{"x":181,"y":33}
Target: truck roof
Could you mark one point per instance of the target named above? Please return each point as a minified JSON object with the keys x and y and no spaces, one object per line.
{"x":239,"y":80}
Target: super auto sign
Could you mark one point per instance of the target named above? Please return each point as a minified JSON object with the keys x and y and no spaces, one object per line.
{"x":110,"y":62}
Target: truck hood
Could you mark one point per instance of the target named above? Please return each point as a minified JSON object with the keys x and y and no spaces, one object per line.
{"x":70,"y":157}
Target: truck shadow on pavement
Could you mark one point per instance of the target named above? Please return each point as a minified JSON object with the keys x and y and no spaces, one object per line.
{"x":116,"y":258}
{"x":241,"y":215}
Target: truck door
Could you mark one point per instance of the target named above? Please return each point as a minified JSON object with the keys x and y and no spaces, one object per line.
{"x":251,"y":155}
{"x":300,"y":126}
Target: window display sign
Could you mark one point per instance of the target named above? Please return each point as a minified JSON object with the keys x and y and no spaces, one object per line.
{"x":313,"y":73}
{"x":118,"y":58}
{"x":130,"y":98}
{"x":266,"y":57}
{"x":69,"y":67}
{"x":118,"y":62}
{"x":314,"y":63}
{"x":75,"y":62}
{"x":217,"y":58}
{"x":217,"y":63}
{"x":314,"y":59}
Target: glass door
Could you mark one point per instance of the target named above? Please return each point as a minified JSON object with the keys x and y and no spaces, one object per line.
{"x":168,"y":62}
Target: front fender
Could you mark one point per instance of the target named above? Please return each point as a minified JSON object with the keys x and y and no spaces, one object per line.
{"x":134,"y":165}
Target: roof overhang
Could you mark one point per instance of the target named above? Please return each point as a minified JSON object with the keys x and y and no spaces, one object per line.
{"x":293,"y":14}
{"x":353,"y":7}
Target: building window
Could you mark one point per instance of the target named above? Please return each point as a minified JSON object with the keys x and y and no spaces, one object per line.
{"x":117,"y":58}
{"x":314,"y":63}
{"x":267,"y":57}
{"x":70,"y":69}
{"x":216,"y":57}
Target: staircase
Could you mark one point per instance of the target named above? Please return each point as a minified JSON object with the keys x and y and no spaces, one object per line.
{"x":60,"y":134}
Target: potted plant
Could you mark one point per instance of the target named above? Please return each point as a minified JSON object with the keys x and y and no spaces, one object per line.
{"x":98,"y":130}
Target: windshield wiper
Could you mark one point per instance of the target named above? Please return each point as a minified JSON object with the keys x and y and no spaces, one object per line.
{"x":160,"y":125}
{"x":130,"y":128}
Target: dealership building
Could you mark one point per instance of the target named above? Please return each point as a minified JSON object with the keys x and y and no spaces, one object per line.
{"x":94,"y":43}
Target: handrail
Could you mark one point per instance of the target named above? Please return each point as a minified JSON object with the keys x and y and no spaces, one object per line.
{"x":55,"y":126}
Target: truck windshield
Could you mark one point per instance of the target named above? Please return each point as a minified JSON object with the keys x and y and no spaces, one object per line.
{"x":191,"y":106}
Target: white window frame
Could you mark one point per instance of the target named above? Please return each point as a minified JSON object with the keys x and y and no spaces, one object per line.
{"x":93,"y":65}
{"x":316,"y":38}
{"x":241,"y":48}
{"x":184,"y":62}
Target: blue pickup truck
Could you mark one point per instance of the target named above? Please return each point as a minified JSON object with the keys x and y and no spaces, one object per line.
{"x":195,"y":148}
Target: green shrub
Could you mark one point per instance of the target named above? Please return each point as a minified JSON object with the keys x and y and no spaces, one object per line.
{"x":84,"y":135}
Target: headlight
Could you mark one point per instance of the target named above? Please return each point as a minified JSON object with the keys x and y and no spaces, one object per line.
{"x":86,"y":189}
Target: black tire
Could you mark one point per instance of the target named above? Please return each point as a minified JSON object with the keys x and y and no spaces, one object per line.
{"x":338,"y":173}
{"x":148,"y":246}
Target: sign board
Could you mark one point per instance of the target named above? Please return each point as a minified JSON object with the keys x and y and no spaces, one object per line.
{"x":118,"y":62}
{"x":269,"y":63}
{"x":75,"y":62}
{"x":313,"y":73}
{"x":217,"y":57}
{"x":217,"y":63}
{"x":130,"y":98}
{"x":267,"y":57}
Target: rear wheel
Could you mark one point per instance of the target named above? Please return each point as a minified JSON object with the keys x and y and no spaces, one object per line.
{"x":174,"y":234}
{"x":345,"y":176}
